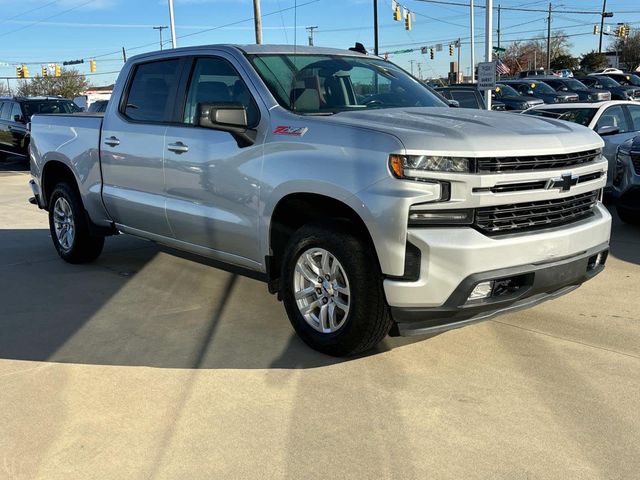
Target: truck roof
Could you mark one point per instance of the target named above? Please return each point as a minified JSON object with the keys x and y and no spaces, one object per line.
{"x":253,"y":49}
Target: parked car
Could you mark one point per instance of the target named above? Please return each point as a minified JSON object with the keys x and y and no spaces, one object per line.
{"x":512,"y":100}
{"x":541,"y":90}
{"x":535,"y":73}
{"x":565,"y":73}
{"x":468,"y":96}
{"x":573,"y":85}
{"x":626,"y":181}
{"x":615,"y":121}
{"x":99,"y":106}
{"x":625,"y":79}
{"x":15,"y":113}
{"x":618,"y":92}
{"x":606,"y":70}
{"x":364,"y":202}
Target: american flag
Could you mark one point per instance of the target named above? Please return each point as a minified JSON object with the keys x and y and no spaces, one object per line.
{"x":501,"y":68}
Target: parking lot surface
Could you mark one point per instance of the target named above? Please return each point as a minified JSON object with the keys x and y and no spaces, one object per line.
{"x":146,"y":366}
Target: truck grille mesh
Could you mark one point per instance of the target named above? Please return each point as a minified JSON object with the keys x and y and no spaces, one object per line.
{"x":635,"y":159}
{"x":517,"y":217}
{"x":539,"y":162}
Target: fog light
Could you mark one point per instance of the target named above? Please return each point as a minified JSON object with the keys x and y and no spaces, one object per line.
{"x":482,"y":290}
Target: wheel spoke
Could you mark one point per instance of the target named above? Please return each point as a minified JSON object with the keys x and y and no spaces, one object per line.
{"x":305,"y":293}
{"x":332,"y":316}
{"x":342,"y":289}
{"x":341,"y":304}
{"x":310,"y":307}
{"x":325,"y":263}
{"x":324,"y":321}
{"x":312,"y":265}
{"x":306,"y":273}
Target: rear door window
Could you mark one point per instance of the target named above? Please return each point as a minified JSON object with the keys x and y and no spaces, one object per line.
{"x":5,"y":111}
{"x":634,"y":112}
{"x":16,"y":111}
{"x":465,"y":99}
{"x":152,"y":92}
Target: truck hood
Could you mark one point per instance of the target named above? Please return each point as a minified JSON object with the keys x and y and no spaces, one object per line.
{"x":467,"y":132}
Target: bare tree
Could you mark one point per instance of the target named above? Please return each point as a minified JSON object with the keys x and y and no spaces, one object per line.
{"x":629,"y":50}
{"x":533,"y":53}
{"x":4,"y":89}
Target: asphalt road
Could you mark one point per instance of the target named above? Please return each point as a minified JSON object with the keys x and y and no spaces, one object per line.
{"x":146,"y":366}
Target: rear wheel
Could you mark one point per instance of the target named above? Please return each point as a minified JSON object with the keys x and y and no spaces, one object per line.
{"x":332,"y":290}
{"x":628,"y":216}
{"x":69,"y":227}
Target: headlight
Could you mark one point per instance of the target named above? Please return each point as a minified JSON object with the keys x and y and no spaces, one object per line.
{"x":414,"y":166}
{"x":524,"y":106}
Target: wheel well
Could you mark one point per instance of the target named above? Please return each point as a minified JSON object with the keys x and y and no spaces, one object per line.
{"x":298,"y":209}
{"x":55,"y":172}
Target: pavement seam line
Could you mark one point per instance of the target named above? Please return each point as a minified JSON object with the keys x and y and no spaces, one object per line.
{"x":567,"y":339}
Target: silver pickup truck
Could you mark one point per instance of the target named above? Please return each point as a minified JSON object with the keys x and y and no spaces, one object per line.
{"x":357,"y":195}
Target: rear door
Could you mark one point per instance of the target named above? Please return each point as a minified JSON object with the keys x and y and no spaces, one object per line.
{"x":6,"y":139}
{"x":212,"y":185}
{"x":18,"y":130}
{"x":132,"y":149}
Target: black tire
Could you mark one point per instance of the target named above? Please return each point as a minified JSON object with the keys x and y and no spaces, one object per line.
{"x":368,"y":320}
{"x":84,"y":247}
{"x":628,"y":216}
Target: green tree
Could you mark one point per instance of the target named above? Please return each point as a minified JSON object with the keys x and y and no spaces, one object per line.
{"x":565,"y":61}
{"x":629,"y":50}
{"x":68,"y":85}
{"x":592,"y":61}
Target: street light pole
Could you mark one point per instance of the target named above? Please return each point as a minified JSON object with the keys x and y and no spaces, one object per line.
{"x":257,"y":18}
{"x":604,"y":8}
{"x":375,"y":28}
{"x":172,"y":23}
{"x":549,"y":38}
{"x":488,"y":44}
{"x":473,"y":44}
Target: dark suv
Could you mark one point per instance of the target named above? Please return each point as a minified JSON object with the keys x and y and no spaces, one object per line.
{"x":572,"y":85}
{"x":468,"y":96}
{"x":15,"y":113}
{"x":606,"y":83}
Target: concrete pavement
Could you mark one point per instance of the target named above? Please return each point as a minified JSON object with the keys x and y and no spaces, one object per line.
{"x":146,"y":366}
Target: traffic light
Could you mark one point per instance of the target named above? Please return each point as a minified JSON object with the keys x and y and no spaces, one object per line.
{"x":25,"y":71}
{"x":595,"y":29}
{"x":407,"y":21}
{"x":45,"y":72}
{"x":57,"y":71}
{"x":92,"y":66}
{"x":625,"y":30}
{"x":19,"y":72}
{"x":431,"y":53}
{"x":397,"y":14}
{"x":451,"y":49}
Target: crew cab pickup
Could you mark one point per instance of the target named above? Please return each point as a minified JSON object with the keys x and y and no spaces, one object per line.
{"x":364,"y":202}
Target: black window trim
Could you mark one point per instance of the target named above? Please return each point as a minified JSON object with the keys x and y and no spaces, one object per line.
{"x":182,"y":60}
{"x":183,"y":93}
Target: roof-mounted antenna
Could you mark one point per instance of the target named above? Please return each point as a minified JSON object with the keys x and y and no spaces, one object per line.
{"x":359,"y":48}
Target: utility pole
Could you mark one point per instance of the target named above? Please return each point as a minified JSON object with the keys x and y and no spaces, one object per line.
{"x":258,"y":21}
{"x":420,"y":70}
{"x":498,"y":32}
{"x":172,"y":23}
{"x":458,"y":69}
{"x":488,"y":44}
{"x":549,"y":39}
{"x":375,"y":28}
{"x":411,"y":62}
{"x":604,"y":15}
{"x":124,"y":55}
{"x":473,"y":45}
{"x":160,"y":28}
{"x":310,"y":30}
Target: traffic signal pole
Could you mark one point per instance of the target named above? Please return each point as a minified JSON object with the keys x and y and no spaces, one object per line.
{"x":488,"y":44}
{"x":257,"y":18}
{"x":375,"y":28}
{"x":473,"y":44}
{"x":604,"y":8}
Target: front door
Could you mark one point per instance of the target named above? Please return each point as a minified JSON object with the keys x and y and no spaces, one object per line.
{"x":617,"y":117}
{"x":132,"y":147}
{"x":212,"y":186}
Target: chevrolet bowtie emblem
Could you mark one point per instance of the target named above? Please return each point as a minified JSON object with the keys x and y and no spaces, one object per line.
{"x":564,"y":183}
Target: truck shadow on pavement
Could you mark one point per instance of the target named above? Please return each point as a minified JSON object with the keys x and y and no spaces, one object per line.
{"x":137,"y":306}
{"x":13,"y":164}
{"x":625,"y":239}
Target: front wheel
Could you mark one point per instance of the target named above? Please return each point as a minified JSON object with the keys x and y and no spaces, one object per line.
{"x":332,"y":290}
{"x":69,"y":227}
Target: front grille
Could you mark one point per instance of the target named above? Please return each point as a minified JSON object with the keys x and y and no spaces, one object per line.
{"x":539,"y":162}
{"x":517,"y":217}
{"x":636,"y":94}
{"x":635,"y":159}
{"x":536,"y":185}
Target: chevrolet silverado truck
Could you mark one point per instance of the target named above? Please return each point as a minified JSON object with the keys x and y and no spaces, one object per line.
{"x":364,"y":202}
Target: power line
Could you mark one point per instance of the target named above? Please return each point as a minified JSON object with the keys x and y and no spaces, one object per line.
{"x":47,"y":18}
{"x":28,"y":11}
{"x":513,"y":9}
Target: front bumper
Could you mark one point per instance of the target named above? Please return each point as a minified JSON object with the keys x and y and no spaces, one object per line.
{"x":451,"y":256}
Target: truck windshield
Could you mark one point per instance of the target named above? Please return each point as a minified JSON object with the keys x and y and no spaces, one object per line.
{"x":325,"y":84}
{"x":31,"y":107}
{"x":582,"y":116}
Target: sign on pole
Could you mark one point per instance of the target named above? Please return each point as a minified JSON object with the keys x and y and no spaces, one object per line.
{"x":486,"y":75}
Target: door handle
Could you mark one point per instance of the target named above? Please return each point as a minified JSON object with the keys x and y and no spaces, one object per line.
{"x":178,"y":147}
{"x":112,"y":141}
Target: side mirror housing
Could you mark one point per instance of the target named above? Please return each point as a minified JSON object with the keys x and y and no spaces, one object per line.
{"x":18,"y":119}
{"x":607,"y":130}
{"x":453,"y":103}
{"x":227,"y":117}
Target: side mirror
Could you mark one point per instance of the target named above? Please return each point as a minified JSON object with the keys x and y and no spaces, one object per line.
{"x":18,"y":119}
{"x":607,"y":130}
{"x":453,"y":103}
{"x":227,"y":117}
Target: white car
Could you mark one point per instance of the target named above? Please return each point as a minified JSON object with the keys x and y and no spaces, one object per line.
{"x":607,"y":70}
{"x":614,"y":120}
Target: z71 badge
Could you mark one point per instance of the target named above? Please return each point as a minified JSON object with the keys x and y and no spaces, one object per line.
{"x":286,"y":130}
